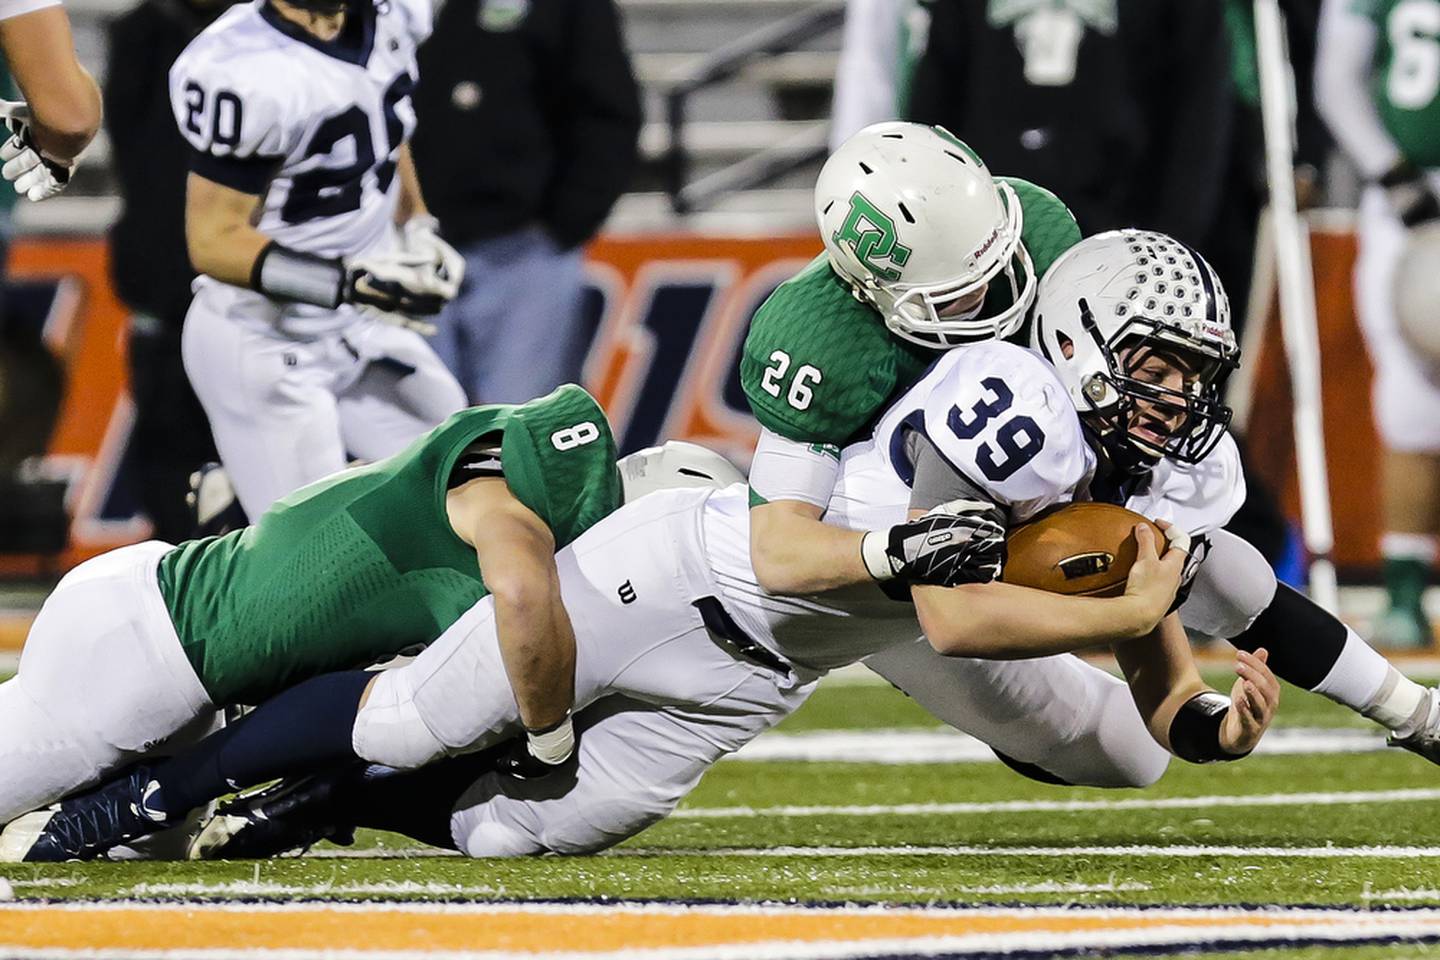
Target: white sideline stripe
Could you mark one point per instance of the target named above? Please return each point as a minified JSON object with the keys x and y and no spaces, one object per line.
{"x":1302,"y":853}
{"x":250,"y":888}
{"x":910,"y":746}
{"x":1064,"y":806}
{"x":1139,"y":850}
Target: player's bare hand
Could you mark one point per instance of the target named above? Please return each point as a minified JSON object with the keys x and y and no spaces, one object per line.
{"x":1154,"y":579}
{"x":1253,"y":701}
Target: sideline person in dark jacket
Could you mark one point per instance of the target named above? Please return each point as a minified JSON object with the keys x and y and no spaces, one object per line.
{"x":528,"y":122}
{"x":148,"y":260}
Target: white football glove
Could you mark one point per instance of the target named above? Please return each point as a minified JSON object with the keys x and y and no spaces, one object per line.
{"x":397,"y":288}
{"x":420,"y":236}
{"x":35,"y":176}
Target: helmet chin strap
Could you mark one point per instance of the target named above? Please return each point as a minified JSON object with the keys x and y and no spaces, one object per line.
{"x":1121,"y":462}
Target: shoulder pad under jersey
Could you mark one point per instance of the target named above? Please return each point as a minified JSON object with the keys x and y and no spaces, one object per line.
{"x":1050,"y":228}
{"x":1196,"y":497}
{"x":818,"y":365}
{"x":559,"y":458}
{"x":999,"y":416}
{"x":236,"y":92}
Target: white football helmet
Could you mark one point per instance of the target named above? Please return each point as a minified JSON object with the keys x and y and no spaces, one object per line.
{"x":1128,"y":288}
{"x":673,"y":464}
{"x":1417,"y":296}
{"x":913,"y":221}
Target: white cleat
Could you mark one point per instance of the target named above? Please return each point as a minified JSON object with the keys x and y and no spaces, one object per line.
{"x":21,"y":834}
{"x":1425,"y":740}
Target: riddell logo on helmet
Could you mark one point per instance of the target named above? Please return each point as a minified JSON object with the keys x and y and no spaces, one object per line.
{"x":984,"y":247}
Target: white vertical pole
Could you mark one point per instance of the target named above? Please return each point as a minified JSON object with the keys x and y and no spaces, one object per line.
{"x":1297,"y":299}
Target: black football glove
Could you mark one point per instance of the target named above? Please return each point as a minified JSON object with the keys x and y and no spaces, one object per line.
{"x":393,"y":285}
{"x":1409,"y":193}
{"x":962,"y":541}
{"x":540,"y":752}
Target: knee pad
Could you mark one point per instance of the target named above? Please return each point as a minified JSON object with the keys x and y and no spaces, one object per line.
{"x":1233,"y":587}
{"x":389,"y":729}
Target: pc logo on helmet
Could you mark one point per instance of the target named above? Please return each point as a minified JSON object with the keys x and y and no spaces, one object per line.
{"x":872,"y":235}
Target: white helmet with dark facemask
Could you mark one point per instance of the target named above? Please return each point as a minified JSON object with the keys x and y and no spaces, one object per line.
{"x":913,"y":221}
{"x":1117,"y":298}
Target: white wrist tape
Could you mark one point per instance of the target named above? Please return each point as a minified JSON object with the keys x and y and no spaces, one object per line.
{"x":872,"y":551}
{"x":553,"y":746}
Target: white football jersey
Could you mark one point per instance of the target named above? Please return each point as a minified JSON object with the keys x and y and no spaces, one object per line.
{"x":313,"y":127}
{"x":1001,"y":418}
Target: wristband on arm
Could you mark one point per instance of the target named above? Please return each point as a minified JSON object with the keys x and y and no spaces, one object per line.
{"x":290,"y":275}
{"x":554,"y":744}
{"x":1195,"y":731}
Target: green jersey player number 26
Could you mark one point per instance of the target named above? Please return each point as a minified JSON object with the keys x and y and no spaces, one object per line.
{"x":924,"y":250}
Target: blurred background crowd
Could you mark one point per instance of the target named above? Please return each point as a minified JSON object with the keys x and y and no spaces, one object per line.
{"x":685,"y":135}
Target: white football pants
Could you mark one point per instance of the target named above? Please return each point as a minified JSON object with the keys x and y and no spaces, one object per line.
{"x":1071,"y":719}
{"x":284,"y":412}
{"x":103,"y":682}
{"x":1406,"y":401}
{"x":629,"y":585}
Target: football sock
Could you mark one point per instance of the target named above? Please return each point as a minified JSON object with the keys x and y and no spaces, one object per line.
{"x":1408,"y":558}
{"x":306,"y":728}
{"x":416,"y":803}
{"x":1304,"y":641}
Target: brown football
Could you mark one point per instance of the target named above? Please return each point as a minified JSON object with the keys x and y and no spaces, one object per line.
{"x":1085,"y":550}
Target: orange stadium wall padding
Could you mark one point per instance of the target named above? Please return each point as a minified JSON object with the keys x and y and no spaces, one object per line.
{"x":669,"y":315}
{"x":1351,"y":446}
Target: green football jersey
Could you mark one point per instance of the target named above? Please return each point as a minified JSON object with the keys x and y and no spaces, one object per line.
{"x":1406,"y":83}
{"x":359,"y":566}
{"x":819,"y":365}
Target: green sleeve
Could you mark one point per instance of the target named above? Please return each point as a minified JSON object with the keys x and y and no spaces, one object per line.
{"x":1050,"y":227}
{"x":559,"y":459}
{"x":817,"y":363}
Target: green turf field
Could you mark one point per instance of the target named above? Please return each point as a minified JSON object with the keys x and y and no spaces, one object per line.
{"x":1270,"y":830}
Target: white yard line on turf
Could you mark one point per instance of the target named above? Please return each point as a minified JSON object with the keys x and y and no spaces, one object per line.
{"x":910,"y":746}
{"x":1139,"y":850}
{"x":1064,"y":806}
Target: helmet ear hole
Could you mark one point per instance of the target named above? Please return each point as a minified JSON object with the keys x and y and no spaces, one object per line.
{"x":1067,"y":346}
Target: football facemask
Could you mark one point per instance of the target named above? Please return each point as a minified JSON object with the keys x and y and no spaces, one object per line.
{"x":1147,"y":419}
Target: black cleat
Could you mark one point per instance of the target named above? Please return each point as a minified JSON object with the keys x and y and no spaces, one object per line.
{"x":291,"y":816}
{"x":87,"y":826}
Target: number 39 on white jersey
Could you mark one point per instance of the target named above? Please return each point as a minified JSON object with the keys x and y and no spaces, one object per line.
{"x":314,"y":126}
{"x":1000,"y":417}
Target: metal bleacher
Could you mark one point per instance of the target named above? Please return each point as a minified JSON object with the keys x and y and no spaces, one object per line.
{"x":737,"y":99}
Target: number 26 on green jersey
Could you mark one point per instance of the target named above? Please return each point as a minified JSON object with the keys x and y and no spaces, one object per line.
{"x":800,"y":393}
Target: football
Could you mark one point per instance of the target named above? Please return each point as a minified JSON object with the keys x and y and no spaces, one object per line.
{"x":1085,"y":549}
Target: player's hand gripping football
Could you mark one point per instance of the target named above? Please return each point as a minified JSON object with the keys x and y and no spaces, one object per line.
{"x":962,"y":541}
{"x":36,"y":176}
{"x":1253,"y":701}
{"x":421,"y":237}
{"x":1155,"y":577}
